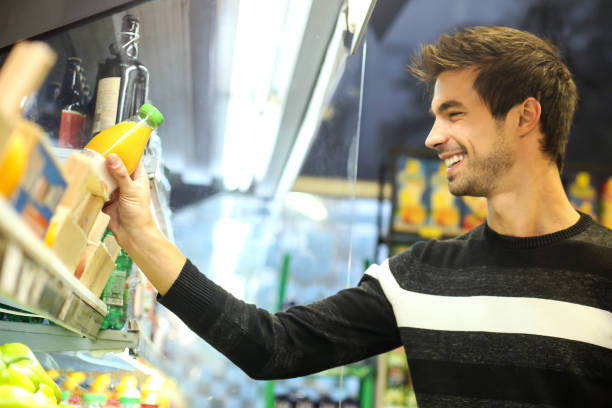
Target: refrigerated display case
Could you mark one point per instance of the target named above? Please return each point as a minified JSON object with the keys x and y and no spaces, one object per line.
{"x":215,"y":115}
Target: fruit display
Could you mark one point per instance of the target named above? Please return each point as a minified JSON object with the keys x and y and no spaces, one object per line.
{"x":425,"y":206}
{"x":24,"y":383}
{"x":411,"y":185}
{"x":444,"y":206}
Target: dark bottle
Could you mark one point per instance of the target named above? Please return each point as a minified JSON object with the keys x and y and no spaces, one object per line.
{"x":122,"y":84}
{"x":72,"y":121}
{"x":49,"y":110}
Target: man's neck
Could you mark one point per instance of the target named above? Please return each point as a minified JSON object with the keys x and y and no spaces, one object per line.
{"x":534,"y":206}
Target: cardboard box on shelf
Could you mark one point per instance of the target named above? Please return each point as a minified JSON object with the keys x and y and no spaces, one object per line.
{"x":23,"y":72}
{"x":41,"y":184}
{"x":99,"y":263}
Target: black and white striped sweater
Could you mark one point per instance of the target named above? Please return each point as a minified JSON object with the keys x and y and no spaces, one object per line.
{"x":486,"y":320}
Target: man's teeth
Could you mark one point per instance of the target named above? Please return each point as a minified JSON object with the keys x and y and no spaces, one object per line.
{"x":452,"y":160}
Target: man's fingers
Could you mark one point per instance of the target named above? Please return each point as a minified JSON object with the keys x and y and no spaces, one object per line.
{"x":117,"y":169}
{"x":139,"y":172}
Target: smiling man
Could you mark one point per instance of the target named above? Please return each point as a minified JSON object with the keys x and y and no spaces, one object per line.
{"x":515,"y":313}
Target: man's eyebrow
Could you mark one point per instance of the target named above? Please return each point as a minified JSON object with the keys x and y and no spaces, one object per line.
{"x":446,"y":106}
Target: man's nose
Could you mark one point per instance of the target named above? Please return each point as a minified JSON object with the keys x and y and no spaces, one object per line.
{"x":435,"y":137}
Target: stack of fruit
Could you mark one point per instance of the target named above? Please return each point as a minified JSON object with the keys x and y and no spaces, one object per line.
{"x":23,"y":381}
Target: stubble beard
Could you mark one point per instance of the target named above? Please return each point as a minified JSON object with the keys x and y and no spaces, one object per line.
{"x":481,"y":176}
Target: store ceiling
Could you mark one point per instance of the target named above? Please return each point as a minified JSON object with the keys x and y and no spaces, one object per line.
{"x":395,"y":106}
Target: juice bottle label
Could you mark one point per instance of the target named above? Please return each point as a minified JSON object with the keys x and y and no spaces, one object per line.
{"x":72,"y":129}
{"x":106,"y":103}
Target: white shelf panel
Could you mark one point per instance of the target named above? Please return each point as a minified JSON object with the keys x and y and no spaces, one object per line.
{"x":49,"y":338}
{"x":67,"y":346}
{"x":34,"y":279}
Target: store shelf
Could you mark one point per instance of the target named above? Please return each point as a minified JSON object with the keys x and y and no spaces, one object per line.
{"x":425,"y":231}
{"x":50,"y":338}
{"x":32,"y":278}
{"x":45,"y":338}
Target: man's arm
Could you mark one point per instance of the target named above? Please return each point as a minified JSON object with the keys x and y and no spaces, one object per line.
{"x":352,"y":325}
{"x":349,"y":326}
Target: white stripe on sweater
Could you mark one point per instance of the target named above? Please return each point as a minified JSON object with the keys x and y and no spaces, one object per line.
{"x":495,"y":314}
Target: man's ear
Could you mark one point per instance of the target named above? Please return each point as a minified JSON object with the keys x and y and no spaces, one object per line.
{"x":529,"y":115}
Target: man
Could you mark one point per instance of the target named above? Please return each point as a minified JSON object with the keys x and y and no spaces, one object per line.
{"x":515,"y":313}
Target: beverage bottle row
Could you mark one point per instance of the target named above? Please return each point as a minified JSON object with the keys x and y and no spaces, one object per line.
{"x":116,"y":390}
{"x":71,"y":114}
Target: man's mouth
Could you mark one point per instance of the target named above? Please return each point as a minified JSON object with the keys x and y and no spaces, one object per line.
{"x":454,"y":160}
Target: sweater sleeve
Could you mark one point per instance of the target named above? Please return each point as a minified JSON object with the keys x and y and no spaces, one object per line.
{"x":349,"y":326}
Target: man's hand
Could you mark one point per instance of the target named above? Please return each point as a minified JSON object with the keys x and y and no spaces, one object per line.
{"x":135,"y":229}
{"x":129,"y":207}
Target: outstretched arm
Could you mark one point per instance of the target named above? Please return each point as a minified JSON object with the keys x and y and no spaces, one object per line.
{"x":352,"y":325}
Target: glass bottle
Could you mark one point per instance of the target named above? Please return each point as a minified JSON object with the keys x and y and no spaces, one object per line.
{"x":123,"y":82}
{"x":72,"y":121}
{"x":115,"y":293}
{"x":49,"y":111}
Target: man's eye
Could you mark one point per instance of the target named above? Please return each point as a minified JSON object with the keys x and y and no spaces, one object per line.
{"x":454,"y":114}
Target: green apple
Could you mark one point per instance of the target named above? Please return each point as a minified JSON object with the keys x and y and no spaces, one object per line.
{"x":22,"y":377}
{"x":12,"y":352}
{"x":12,"y":396}
{"x":48,"y":391}
{"x":46,"y":394}
{"x":20,"y":354}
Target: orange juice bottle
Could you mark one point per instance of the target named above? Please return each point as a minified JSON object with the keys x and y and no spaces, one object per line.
{"x":126,"y":139}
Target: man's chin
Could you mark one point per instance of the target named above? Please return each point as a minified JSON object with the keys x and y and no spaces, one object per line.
{"x":459,"y":190}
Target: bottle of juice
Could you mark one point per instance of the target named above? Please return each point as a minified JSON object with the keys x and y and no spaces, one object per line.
{"x":126,"y":139}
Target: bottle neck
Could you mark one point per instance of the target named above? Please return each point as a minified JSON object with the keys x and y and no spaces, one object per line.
{"x":70,"y":94}
{"x":130,"y":35}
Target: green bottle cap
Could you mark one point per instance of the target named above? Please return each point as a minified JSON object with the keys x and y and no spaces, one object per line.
{"x":65,"y":395}
{"x":155,"y":117}
{"x":94,"y":398}
{"x":129,"y":400}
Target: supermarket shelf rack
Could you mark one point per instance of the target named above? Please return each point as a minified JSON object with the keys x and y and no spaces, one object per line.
{"x":32,"y":278}
{"x":49,"y":338}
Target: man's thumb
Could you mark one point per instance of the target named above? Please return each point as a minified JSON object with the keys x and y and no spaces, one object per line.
{"x":117,"y":169}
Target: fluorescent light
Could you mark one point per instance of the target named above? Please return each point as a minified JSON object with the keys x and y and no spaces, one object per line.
{"x":306,"y":204}
{"x":329,"y":76}
{"x":265,"y":50}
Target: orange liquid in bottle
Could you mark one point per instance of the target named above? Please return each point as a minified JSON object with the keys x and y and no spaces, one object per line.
{"x":126,"y":139}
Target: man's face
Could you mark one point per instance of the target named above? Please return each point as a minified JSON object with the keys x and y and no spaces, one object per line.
{"x":467,"y":137}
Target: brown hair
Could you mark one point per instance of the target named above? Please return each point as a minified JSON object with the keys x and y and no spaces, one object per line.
{"x":512,"y":66}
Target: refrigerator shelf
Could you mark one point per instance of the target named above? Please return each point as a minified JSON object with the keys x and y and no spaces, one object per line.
{"x":67,"y":346}
{"x":32,"y":278}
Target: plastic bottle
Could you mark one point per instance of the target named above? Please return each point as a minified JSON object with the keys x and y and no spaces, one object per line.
{"x":129,"y":402}
{"x":93,"y":401}
{"x":126,"y":139}
{"x":115,"y":294}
